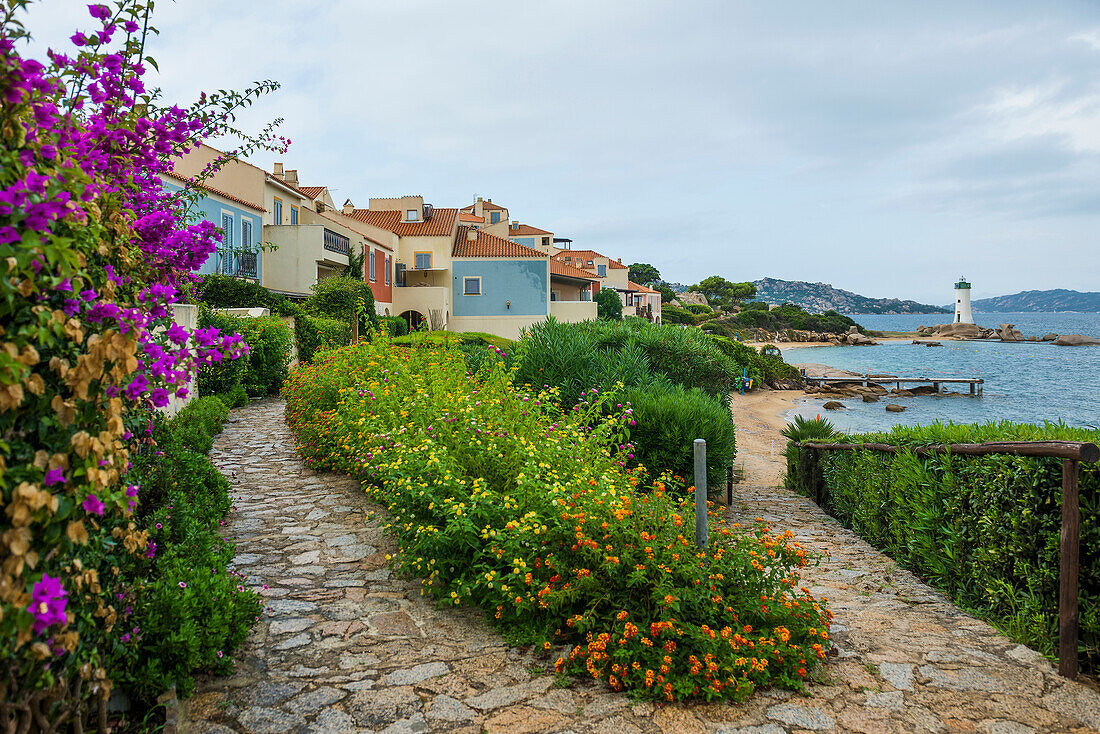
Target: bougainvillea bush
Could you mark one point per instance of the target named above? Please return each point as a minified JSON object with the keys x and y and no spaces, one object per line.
{"x":502,"y":500}
{"x":93,"y":252}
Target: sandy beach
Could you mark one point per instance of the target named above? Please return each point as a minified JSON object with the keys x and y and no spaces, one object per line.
{"x":759,"y":419}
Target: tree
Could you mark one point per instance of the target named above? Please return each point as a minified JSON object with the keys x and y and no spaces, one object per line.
{"x":356,"y":267}
{"x":721,"y":292}
{"x":644,"y":273}
{"x":609,"y":307}
{"x":667,"y":294}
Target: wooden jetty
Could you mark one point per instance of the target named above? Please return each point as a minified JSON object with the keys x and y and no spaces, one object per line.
{"x":869,"y":379}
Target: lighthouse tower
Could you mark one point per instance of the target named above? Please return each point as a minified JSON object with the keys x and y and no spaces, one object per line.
{"x":962,"y":302}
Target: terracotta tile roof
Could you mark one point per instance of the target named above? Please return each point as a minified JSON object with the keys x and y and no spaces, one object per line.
{"x":465,"y":216}
{"x":441,"y":224}
{"x":568,"y":271}
{"x":219,"y":192}
{"x":488,"y":245}
{"x":311,"y":191}
{"x":586,"y":255}
{"x":640,"y":288}
{"x":292,"y":187}
{"x":525,"y":229}
{"x":484,"y":205}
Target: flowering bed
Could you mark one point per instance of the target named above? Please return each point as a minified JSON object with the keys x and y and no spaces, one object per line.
{"x":501,"y":499}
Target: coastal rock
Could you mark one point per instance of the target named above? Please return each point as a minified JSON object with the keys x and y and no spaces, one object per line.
{"x":859,"y":340}
{"x":1075,"y":340}
{"x":833,"y":405}
{"x":957,"y":331}
{"x":1009,"y":333}
{"x":894,"y":408}
{"x":927,"y":343}
{"x":1049,"y":337}
{"x":926,"y":330}
{"x":870,"y":398}
{"x":901,"y":392}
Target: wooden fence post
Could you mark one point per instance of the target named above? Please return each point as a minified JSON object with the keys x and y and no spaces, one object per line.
{"x":1068,"y":571}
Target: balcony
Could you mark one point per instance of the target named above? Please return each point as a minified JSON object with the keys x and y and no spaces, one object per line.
{"x":238,"y":264}
{"x":335,"y":242}
{"x":572,"y":312}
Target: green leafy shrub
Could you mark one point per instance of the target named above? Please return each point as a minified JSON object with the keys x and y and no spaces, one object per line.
{"x":332,"y":333}
{"x":341,"y":298}
{"x":235,"y":397}
{"x":699,"y":308}
{"x":269,"y":341}
{"x":225,"y":291}
{"x":537,"y":522}
{"x":984,"y":529}
{"x":191,"y":611}
{"x":674,"y":315}
{"x":395,"y":325}
{"x":609,"y":307}
{"x":197,"y":423}
{"x":307,"y":336}
{"x":790,"y":316}
{"x":668,"y":419}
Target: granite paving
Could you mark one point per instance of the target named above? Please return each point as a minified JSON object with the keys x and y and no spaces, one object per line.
{"x":344,"y":645}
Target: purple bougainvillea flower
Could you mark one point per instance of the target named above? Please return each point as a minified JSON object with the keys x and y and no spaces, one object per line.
{"x":183,"y":585}
{"x":47,"y":603}
{"x":92,"y":505}
{"x":54,"y":476}
{"x":151,"y":550}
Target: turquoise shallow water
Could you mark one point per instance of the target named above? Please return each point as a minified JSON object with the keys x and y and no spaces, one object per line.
{"x":1024,"y":382}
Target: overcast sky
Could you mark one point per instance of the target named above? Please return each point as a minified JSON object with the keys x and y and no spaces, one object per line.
{"x":885,"y":148}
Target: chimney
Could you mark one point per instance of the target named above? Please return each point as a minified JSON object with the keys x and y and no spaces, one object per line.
{"x":490,"y":200}
{"x":291,"y":177}
{"x":479,"y":198}
{"x":471,"y":234}
{"x":348,"y":207}
{"x":278,"y":170}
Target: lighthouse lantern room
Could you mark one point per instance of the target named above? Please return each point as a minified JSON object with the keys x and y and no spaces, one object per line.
{"x":962,"y":302}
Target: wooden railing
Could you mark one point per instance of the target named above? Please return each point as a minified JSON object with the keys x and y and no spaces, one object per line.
{"x":1072,"y":453}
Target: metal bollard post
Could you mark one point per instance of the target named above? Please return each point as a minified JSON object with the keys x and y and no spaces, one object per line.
{"x":700,"y":493}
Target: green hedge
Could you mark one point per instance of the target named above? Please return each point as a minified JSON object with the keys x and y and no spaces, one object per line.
{"x":983,"y":529}
{"x":268,"y":361}
{"x":395,"y":325}
{"x":225,"y":291}
{"x":340,"y":297}
{"x":609,"y":306}
{"x":188,"y":612}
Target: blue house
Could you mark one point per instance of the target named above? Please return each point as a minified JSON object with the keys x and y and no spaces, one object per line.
{"x":241,"y":224}
{"x":497,"y":286}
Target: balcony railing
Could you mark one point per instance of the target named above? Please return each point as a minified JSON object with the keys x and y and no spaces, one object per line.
{"x":337,"y":242}
{"x":246,"y":265}
{"x":239,"y":264}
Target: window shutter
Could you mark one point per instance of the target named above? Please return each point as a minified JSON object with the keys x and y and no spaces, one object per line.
{"x":227,"y":244}
{"x":400,"y":275}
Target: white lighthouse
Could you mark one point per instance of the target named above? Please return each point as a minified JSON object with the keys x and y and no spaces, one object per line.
{"x":962,"y":302}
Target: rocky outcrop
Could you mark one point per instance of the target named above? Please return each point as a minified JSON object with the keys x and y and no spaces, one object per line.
{"x":927,"y":343}
{"x":833,"y":405}
{"x":1076,"y":340}
{"x":1009,"y":333}
{"x":894,"y":408}
{"x":956,"y":331}
{"x":870,"y":398}
{"x":859,"y":340}
{"x":1049,"y":337}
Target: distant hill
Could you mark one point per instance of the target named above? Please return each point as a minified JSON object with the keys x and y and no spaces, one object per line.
{"x":820,"y":297}
{"x":1058,"y":299}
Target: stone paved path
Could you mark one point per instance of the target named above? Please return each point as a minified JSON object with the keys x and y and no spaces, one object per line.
{"x":343,"y":646}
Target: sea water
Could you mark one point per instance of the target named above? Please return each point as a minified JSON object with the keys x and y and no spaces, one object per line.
{"x":1025,"y":382}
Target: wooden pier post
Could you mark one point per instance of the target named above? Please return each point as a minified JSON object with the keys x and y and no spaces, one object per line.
{"x":1068,"y":571}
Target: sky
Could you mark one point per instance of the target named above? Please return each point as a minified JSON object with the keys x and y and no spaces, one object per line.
{"x":884,"y":148}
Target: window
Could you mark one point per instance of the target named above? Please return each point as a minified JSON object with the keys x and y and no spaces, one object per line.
{"x":246,"y":235}
{"x":471,"y":286}
{"x":226,"y":254}
{"x":387,"y":269}
{"x":372,"y":264}
{"x":494,"y":217}
{"x":423,"y":261}
{"x":277,"y":211}
{"x":553,"y":295}
{"x":399,"y":276}
{"x":293,"y":215}
{"x":545,"y":241}
{"x":411,"y":215}
{"x":629,"y":298}
{"x":601,"y":270}
{"x":589,"y":263}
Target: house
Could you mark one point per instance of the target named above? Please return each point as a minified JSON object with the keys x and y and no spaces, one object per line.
{"x":638,"y":300}
{"x":489,"y":212}
{"x":309,"y":243}
{"x":229,"y":200}
{"x":423,"y":240}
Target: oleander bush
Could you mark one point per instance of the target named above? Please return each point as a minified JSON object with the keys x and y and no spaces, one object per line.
{"x":665,"y":414}
{"x":503,"y":500}
{"x":984,"y":529}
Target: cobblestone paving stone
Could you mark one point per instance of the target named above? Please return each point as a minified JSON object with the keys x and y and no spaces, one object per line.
{"x":344,"y":646}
